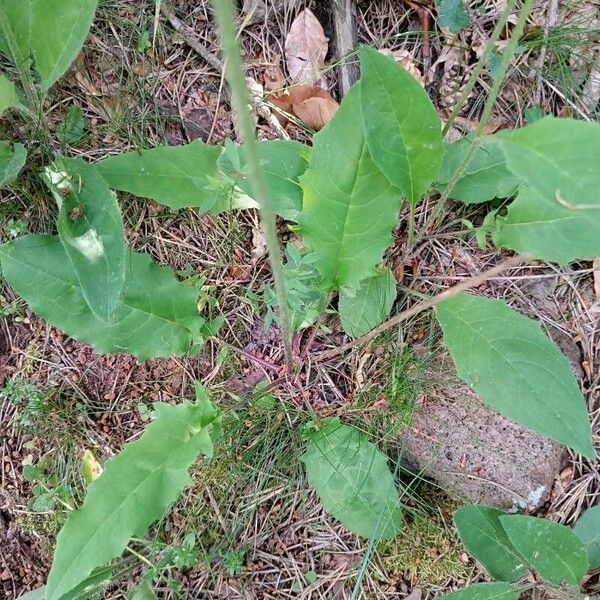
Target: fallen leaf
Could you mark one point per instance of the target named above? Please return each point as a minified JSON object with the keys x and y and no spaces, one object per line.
{"x":284,"y":103}
{"x":305,"y":49}
{"x":90,"y":467}
{"x":273,"y":78}
{"x":312,"y":105}
{"x":259,"y":244}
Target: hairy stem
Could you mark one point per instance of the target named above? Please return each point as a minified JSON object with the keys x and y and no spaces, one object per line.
{"x":422,"y":306}
{"x":223,"y":10}
{"x":510,"y":5}
{"x":487,"y":111}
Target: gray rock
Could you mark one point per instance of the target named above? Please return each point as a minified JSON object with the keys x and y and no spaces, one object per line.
{"x":476,"y":454}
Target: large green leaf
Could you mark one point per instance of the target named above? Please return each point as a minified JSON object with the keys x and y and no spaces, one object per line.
{"x":515,"y":368}
{"x":12,"y":160}
{"x":486,"y":176}
{"x":53,"y":31}
{"x":349,"y":207}
{"x":353,"y":480}
{"x":177,"y":176}
{"x":402,"y":128}
{"x":552,"y":550}
{"x":283,"y":161}
{"x":155,"y":316}
{"x":486,"y":591}
{"x":135,"y":489}
{"x":587,"y":529}
{"x":90,"y":228}
{"x":548,"y":230}
{"x":366,"y":307}
{"x":485,"y":539}
{"x":8,"y":94}
{"x":558,"y":158}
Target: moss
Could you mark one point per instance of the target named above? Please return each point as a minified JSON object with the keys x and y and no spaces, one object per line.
{"x":427,"y":552}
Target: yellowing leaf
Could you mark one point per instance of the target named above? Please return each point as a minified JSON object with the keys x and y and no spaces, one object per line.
{"x":91,"y":469}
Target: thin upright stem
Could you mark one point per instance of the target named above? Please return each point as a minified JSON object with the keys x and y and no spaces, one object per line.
{"x":481,"y":63}
{"x":487,"y":110}
{"x":223,"y":10}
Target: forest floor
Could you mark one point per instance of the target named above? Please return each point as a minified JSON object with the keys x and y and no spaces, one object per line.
{"x":251,"y":527}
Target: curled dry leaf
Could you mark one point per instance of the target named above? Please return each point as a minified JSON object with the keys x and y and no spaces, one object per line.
{"x":305,"y":49}
{"x":312,"y":105}
{"x":405,"y":58}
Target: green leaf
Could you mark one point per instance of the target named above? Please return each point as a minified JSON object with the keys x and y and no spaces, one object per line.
{"x":452,"y":15}
{"x":515,"y":368}
{"x":8,"y":94}
{"x":12,"y":160}
{"x":363,"y":309}
{"x":486,"y":591}
{"x":90,"y":228}
{"x":349,"y":207}
{"x":353,"y":480}
{"x":283,"y":161}
{"x":177,"y":176}
{"x":483,"y":536}
{"x":135,"y":490}
{"x":552,"y":550}
{"x":37,"y":594}
{"x":402,"y":129}
{"x":53,"y":31}
{"x":156,"y":316}
{"x":533,"y":114}
{"x":485,"y":178}
{"x":587,"y":529}
{"x":306,"y":299}
{"x":558,"y":158}
{"x":545,"y":229}
{"x":142,"y":591}
{"x":71,"y":129}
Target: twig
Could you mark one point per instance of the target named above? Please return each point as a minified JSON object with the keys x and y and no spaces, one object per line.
{"x":422,"y":306}
{"x":191,"y":39}
{"x":344,"y":33}
{"x":223,"y":10}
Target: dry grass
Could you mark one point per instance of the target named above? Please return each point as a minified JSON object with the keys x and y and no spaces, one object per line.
{"x":254,"y":499}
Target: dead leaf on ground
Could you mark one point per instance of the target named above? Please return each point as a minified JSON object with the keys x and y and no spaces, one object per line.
{"x":259,"y":244}
{"x":273,"y":77}
{"x":405,"y":58}
{"x":305,"y":49}
{"x":312,"y":105}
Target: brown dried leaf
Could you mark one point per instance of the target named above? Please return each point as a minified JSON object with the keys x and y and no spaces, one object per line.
{"x":273,"y":78}
{"x":312,"y":105}
{"x":305,"y":49}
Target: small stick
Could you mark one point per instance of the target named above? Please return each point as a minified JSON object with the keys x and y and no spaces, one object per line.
{"x":191,"y":39}
{"x":422,"y":306}
{"x":344,"y":33}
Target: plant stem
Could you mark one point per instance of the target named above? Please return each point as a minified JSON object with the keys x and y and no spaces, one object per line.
{"x":487,"y":111}
{"x":510,"y":5}
{"x":422,"y":306}
{"x":223,"y":10}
